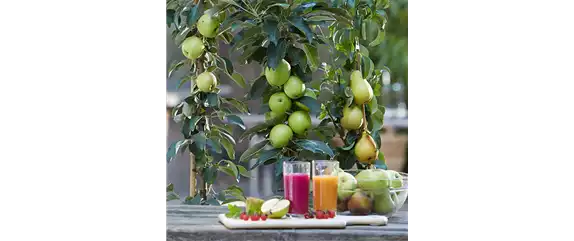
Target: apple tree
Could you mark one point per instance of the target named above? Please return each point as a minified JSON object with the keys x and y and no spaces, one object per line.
{"x":206,"y":117}
{"x":284,"y":38}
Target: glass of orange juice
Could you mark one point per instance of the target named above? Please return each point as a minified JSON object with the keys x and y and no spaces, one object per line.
{"x":325,"y":183}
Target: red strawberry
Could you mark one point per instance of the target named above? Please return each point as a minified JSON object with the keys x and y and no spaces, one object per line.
{"x":263,"y":217}
{"x":331,"y":213}
{"x":254,"y":217}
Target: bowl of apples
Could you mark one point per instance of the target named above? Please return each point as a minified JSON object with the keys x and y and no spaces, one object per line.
{"x":371,"y":191}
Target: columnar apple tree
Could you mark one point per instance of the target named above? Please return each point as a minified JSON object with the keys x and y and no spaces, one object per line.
{"x":206,"y":117}
{"x":284,"y":38}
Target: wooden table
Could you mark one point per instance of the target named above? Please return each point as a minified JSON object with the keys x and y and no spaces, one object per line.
{"x":190,"y":222}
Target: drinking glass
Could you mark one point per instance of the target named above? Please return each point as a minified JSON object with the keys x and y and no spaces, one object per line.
{"x":296,"y":175}
{"x":325,"y":184}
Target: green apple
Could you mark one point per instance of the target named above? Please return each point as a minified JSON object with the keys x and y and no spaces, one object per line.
{"x":346,"y":186}
{"x":277,"y":117}
{"x":280,"y":135}
{"x":396,"y":179}
{"x":206,"y":81}
{"x":384,"y":202}
{"x":279,"y":75}
{"x":372,"y":179}
{"x":192,"y":47}
{"x":207,"y":25}
{"x":275,"y":208}
{"x":294,"y":87}
{"x":299,"y":121}
{"x":279,"y":103}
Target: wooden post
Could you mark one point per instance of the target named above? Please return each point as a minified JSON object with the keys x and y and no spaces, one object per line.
{"x":191,"y":175}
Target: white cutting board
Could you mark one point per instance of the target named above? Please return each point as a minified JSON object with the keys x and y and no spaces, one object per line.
{"x":339,"y":221}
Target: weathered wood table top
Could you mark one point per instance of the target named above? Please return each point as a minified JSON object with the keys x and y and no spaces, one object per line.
{"x":191,"y":222}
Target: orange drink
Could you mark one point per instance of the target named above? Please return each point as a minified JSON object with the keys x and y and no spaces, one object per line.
{"x":325,"y":193}
{"x":325,"y":182}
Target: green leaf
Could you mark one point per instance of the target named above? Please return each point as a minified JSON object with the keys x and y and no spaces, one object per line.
{"x":271,"y":27}
{"x":172,"y":196}
{"x":367,"y":67}
{"x":233,"y":119}
{"x":174,"y":67}
{"x":213,"y":202}
{"x":315,"y":146}
{"x":227,"y":170}
{"x":187,"y":109}
{"x":193,"y":200}
{"x":311,"y":103}
{"x":376,"y":136}
{"x":170,"y":187}
{"x":214,"y":144}
{"x":300,"y":24}
{"x":238,"y":78}
{"x":275,"y":53}
{"x":234,"y":211}
{"x":240,"y":106}
{"x":380,"y":38}
{"x":210,"y":174}
{"x":243,"y":171}
{"x":252,"y":151}
{"x":228,"y":65}
{"x":176,"y":148}
{"x":193,"y":15}
{"x":235,"y":191}
{"x":304,"y":7}
{"x":282,"y":5}
{"x":312,"y":56}
{"x":265,"y":156}
{"x":169,"y":15}
{"x":199,"y":140}
{"x":258,"y":87}
{"x":193,"y":122}
{"x":381,"y":157}
{"x":183,"y":81}
{"x":228,"y":146}
{"x":212,"y":100}
{"x":233,"y":168}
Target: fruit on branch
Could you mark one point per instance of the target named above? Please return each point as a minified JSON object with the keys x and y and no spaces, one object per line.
{"x":279,"y":103}
{"x":362,"y":91}
{"x":279,"y":75}
{"x":206,"y":81}
{"x":207,"y":25}
{"x":300,"y":121}
{"x":352,"y":117}
{"x":366,"y":149}
{"x":192,"y":47}
{"x":294,"y":87}
{"x":280,"y":135}
{"x":278,"y":117}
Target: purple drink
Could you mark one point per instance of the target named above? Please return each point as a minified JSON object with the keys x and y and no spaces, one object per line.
{"x":297,"y":192}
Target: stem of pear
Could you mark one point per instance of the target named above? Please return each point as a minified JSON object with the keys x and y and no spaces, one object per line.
{"x":364,"y":127}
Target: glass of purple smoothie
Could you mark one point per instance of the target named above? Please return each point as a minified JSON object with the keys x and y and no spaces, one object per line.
{"x":296,"y":177}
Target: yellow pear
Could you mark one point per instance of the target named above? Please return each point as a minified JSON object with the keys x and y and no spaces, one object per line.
{"x":352,"y":118}
{"x":362,"y":91}
{"x":366,"y":149}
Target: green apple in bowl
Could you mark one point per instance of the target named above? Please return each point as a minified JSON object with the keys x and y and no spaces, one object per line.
{"x":346,"y":186}
{"x":396,"y":179}
{"x":372,"y":179}
{"x":384,"y":202}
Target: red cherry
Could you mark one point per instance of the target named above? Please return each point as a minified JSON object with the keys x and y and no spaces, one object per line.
{"x":245,"y":218}
{"x":263,"y":217}
{"x":331,"y":213}
{"x":254,"y":217}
